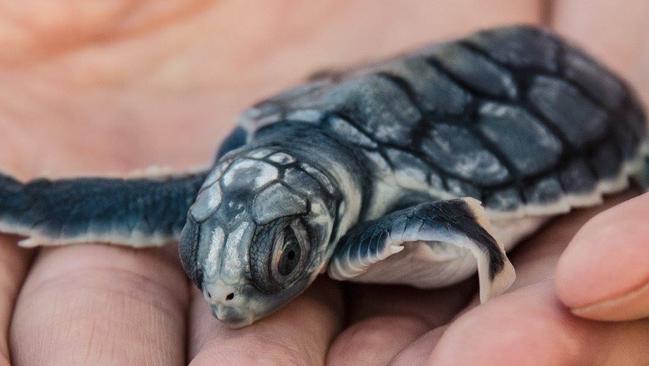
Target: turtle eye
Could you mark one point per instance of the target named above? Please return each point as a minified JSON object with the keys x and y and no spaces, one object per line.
{"x":289,"y":254}
{"x":278,"y":255}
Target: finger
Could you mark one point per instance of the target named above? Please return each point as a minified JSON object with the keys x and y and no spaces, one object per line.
{"x":385,"y":319}
{"x":299,"y":334}
{"x":534,"y":260}
{"x":13,"y":267}
{"x":530,"y":327}
{"x":101,"y":305}
{"x":418,"y":352}
{"x":604,"y":273}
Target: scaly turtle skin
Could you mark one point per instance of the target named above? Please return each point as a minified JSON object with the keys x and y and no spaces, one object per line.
{"x":372,"y":174}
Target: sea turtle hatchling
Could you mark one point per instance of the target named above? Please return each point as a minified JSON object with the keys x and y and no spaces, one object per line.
{"x":372,"y":175}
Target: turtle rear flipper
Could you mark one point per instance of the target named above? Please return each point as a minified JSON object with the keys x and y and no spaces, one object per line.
{"x":135,"y":212}
{"x":429,"y":245}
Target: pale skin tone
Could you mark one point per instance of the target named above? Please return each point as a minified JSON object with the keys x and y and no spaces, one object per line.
{"x":97,"y":88}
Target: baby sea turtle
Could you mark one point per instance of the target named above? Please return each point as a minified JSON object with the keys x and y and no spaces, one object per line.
{"x":372,"y":175}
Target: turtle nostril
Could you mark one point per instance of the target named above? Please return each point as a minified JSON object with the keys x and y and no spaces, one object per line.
{"x":209,"y":294}
{"x":230,"y":296}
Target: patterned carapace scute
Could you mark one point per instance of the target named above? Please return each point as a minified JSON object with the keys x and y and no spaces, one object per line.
{"x":510,"y":116}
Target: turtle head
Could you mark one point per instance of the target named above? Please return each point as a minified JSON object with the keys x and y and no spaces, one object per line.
{"x":257,"y":235}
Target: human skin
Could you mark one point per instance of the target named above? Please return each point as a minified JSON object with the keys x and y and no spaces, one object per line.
{"x":99,"y":87}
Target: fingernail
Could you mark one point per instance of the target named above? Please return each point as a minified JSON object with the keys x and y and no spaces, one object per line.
{"x":631,"y":306}
{"x":604,"y":272}
{"x":605,"y":260}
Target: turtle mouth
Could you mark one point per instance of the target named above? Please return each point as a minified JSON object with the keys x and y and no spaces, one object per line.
{"x":234,"y":317}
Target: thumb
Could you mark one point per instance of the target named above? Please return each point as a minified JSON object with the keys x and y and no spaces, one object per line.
{"x":604,"y":272}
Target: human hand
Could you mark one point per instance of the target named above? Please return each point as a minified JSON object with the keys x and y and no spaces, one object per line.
{"x":110,"y":98}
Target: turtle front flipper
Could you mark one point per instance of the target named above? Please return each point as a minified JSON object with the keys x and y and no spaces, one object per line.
{"x":135,"y":212}
{"x":428,"y":245}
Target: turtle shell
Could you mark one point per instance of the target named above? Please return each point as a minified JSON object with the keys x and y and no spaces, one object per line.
{"x":514,"y":116}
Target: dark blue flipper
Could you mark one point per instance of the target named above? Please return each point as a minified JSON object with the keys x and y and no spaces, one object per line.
{"x":428,"y":245}
{"x":135,"y":212}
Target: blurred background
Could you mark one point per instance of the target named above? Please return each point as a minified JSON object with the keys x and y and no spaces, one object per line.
{"x":111,"y":85}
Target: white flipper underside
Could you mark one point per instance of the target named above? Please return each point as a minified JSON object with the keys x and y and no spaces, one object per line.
{"x":435,"y":261}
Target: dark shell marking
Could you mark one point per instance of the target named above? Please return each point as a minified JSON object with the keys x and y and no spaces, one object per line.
{"x":510,"y":116}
